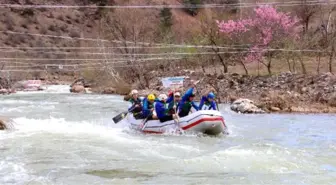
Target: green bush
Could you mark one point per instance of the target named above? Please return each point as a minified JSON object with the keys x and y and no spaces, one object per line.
{"x":191,"y":6}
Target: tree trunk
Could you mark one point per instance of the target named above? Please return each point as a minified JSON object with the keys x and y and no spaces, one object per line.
{"x":303,"y":66}
{"x":289,"y":65}
{"x":244,"y":66}
{"x":318,"y":63}
{"x":294,"y":65}
{"x":269,"y":68}
{"x":331,"y":56}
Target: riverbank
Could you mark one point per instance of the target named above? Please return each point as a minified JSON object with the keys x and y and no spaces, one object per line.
{"x":285,"y":92}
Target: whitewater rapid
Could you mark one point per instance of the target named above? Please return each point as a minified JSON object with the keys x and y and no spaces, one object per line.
{"x":66,"y":139}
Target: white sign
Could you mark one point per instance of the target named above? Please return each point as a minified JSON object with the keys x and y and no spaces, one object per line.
{"x":173,"y":82}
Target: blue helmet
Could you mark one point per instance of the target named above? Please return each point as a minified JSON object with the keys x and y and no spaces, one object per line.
{"x":211,"y":95}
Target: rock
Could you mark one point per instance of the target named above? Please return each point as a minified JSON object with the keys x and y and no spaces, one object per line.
{"x":304,"y":90}
{"x":77,"y":89}
{"x":2,"y":125}
{"x":40,"y":89}
{"x":332,"y":100}
{"x":220,"y":77}
{"x":275,"y":109}
{"x":109,"y":90}
{"x":245,"y":106}
{"x":88,"y":90}
{"x":3,"y":91}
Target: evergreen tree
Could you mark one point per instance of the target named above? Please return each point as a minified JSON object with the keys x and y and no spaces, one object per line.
{"x":191,"y":6}
{"x":166,"y":18}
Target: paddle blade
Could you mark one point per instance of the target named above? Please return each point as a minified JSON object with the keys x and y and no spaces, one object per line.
{"x":119,"y":117}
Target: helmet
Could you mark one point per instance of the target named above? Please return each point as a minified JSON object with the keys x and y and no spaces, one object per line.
{"x":134,"y":92}
{"x":162,"y":97}
{"x":151,"y":97}
{"x":177,"y":94}
{"x":211,"y":95}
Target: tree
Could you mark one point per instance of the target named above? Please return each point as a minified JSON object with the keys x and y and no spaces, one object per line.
{"x":328,"y":34}
{"x":191,"y":6}
{"x":166,"y":18}
{"x":305,"y":12}
{"x":209,"y":35}
{"x":131,"y":35}
{"x":166,"y":23}
{"x":263,"y":30}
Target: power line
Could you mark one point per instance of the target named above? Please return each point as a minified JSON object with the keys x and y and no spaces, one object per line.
{"x":236,"y":51}
{"x":104,"y":40}
{"x":126,"y":47}
{"x":173,"y":6}
{"x":76,"y":68}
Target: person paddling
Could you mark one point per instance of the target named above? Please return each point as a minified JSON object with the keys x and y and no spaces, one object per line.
{"x":173,"y":102}
{"x":162,"y":111}
{"x":148,"y":107}
{"x":209,"y":101}
{"x":187,"y":102}
{"x":135,"y":104}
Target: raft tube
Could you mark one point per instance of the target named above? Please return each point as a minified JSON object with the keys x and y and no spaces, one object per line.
{"x":209,"y":122}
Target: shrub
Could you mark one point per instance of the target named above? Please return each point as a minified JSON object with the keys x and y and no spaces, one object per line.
{"x":191,"y":6}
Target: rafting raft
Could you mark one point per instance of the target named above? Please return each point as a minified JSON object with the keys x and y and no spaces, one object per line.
{"x":209,"y":122}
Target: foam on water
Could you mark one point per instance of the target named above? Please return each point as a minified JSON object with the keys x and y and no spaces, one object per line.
{"x":49,"y":89}
{"x":80,"y":137}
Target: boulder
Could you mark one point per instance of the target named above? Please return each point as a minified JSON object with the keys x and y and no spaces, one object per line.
{"x":3,"y":91}
{"x":275,"y":109}
{"x":245,"y":106}
{"x":77,"y":89}
{"x":88,"y":90}
{"x":2,"y":125}
{"x":109,"y":90}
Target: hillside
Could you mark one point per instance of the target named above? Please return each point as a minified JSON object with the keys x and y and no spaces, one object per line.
{"x":36,"y":41}
{"x":32,"y":30}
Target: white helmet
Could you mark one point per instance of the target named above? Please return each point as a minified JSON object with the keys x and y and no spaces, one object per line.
{"x":162,"y":97}
{"x":134,"y":92}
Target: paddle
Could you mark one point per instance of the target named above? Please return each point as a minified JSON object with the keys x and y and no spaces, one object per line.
{"x":121,"y":116}
{"x":144,"y":123}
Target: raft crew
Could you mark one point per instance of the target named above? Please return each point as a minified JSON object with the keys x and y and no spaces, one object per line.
{"x":187,"y":102}
{"x":148,"y":107}
{"x":167,"y":108}
{"x":173,"y":101}
{"x":161,"y":110}
{"x":135,"y":104}
{"x":209,"y":101}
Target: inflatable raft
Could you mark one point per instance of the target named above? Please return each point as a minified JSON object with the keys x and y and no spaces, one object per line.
{"x":208,"y":122}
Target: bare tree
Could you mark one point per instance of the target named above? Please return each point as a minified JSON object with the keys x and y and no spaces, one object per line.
{"x":211,"y":36}
{"x":130,"y":30}
{"x":328,"y":33}
{"x":305,"y":13}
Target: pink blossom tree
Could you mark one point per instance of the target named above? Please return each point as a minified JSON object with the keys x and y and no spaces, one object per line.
{"x":264,"y":29}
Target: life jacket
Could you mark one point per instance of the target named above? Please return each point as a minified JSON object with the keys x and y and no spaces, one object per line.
{"x":185,"y":108}
{"x":147,"y":106}
{"x":161,"y":110}
{"x":206,"y":105}
{"x":138,"y":109}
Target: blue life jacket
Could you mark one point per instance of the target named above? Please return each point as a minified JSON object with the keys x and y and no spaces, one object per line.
{"x":210,"y":105}
{"x":160,"y":109}
{"x":147,"y":106}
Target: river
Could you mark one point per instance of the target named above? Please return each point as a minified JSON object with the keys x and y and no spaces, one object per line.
{"x":69,"y":139}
